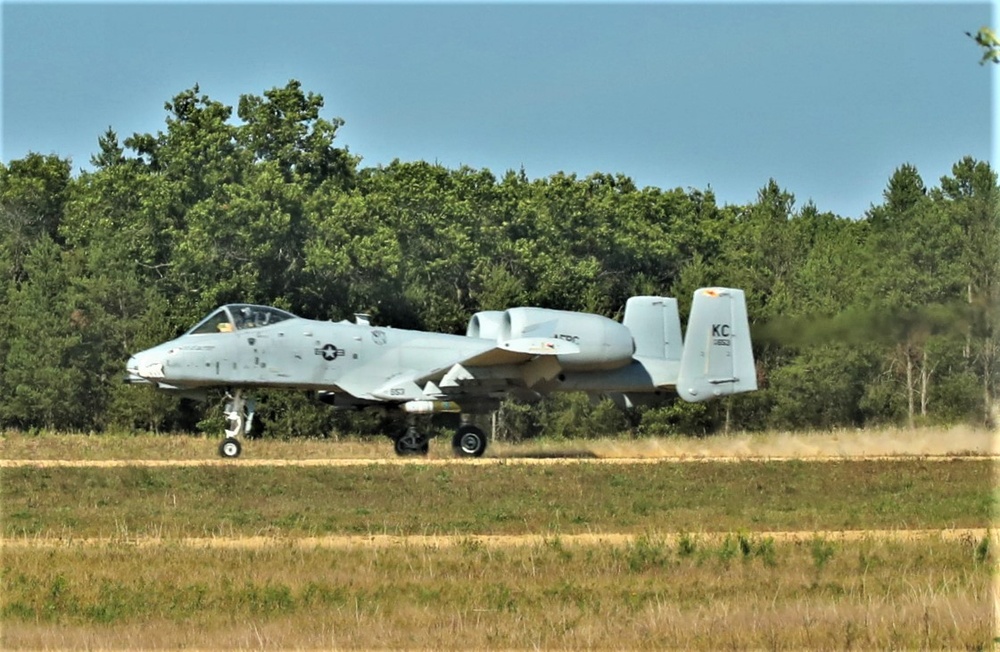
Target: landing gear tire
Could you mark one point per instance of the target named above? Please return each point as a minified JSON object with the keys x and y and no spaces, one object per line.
{"x":230,"y":448}
{"x":411,"y":442}
{"x":469,"y":441}
{"x":239,"y":420}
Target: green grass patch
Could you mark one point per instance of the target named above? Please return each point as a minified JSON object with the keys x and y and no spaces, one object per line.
{"x":495,"y":499}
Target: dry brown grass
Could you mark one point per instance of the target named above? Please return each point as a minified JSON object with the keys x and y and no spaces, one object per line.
{"x":144,"y":446}
{"x":646,"y":594}
{"x":959,"y":440}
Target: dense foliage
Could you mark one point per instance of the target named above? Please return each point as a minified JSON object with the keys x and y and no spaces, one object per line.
{"x":890,"y":318}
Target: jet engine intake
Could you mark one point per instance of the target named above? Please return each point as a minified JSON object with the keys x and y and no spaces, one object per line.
{"x":487,"y":324}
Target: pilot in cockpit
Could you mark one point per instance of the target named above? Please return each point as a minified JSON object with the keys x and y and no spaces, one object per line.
{"x":244,"y":319}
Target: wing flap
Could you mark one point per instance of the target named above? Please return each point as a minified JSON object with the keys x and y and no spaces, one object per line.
{"x":540,"y":346}
{"x":520,"y":350}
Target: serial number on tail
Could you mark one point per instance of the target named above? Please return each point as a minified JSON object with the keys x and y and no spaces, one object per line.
{"x":721,"y":334}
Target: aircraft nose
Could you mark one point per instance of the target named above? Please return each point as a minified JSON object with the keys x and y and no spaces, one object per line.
{"x":132,"y":371}
{"x":141,"y":367}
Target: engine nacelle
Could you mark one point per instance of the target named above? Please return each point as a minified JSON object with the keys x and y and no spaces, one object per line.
{"x":603,"y":343}
{"x":487,"y":324}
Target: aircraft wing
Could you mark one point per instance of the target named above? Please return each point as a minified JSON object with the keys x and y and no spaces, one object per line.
{"x":516,"y":363}
{"x":521,"y":350}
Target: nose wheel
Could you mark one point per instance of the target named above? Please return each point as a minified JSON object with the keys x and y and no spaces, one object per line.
{"x":239,"y":420}
{"x":230,"y":447}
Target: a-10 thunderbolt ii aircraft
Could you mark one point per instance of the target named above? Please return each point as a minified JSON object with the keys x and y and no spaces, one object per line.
{"x":522,"y":352}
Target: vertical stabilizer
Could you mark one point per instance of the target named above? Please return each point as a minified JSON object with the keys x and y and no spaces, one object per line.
{"x":717,"y":359}
{"x":655,"y":326}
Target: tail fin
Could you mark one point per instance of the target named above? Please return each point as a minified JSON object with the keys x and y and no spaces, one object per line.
{"x":655,"y":326}
{"x":717,"y":359}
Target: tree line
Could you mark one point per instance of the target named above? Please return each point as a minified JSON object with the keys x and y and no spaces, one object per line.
{"x":891,"y":318}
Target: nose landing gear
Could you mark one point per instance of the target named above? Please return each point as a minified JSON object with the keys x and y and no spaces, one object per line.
{"x":230,"y":447}
{"x":239,"y":421}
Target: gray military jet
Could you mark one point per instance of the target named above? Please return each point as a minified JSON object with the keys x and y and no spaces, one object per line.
{"x":523,"y":352}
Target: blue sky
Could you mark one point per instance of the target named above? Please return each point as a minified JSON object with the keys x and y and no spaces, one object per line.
{"x":828,"y":99}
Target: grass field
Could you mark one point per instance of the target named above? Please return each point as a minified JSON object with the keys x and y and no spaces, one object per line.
{"x":101,"y":558}
{"x":738,"y":593}
{"x":494,"y":499}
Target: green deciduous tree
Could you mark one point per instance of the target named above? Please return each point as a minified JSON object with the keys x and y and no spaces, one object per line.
{"x":971,"y":198}
{"x":48,"y":378}
{"x":987,"y":39}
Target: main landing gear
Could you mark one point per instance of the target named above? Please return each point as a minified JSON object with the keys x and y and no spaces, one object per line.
{"x":239,"y":421}
{"x":469,"y":441}
{"x":411,"y":442}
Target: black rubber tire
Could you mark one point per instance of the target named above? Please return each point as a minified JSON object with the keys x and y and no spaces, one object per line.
{"x":230,"y":448}
{"x":405,"y":451}
{"x":469,"y":441}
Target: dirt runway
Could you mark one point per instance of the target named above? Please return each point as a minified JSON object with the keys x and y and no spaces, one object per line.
{"x":970,"y":535}
{"x":487,"y":461}
{"x":842,"y":445}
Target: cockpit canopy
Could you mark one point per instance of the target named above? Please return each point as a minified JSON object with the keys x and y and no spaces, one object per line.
{"x":238,"y":317}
